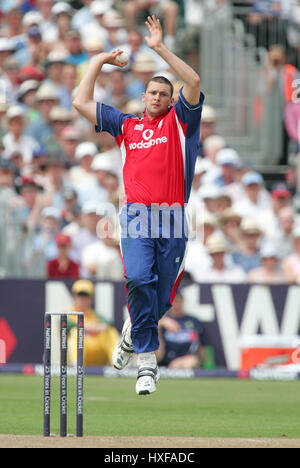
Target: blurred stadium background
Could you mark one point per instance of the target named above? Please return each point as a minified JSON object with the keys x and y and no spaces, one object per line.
{"x":56,"y":174}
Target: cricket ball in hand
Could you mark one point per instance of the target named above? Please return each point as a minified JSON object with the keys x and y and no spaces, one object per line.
{"x":123,"y":57}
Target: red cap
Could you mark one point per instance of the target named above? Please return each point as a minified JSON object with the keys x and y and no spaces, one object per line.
{"x":281,"y":191}
{"x":63,"y":239}
{"x":29,"y":72}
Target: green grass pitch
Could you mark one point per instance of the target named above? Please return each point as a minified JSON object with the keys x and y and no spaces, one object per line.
{"x":199,"y":407}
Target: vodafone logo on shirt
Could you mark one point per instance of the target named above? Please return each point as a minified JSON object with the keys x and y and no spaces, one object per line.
{"x":148,"y":141}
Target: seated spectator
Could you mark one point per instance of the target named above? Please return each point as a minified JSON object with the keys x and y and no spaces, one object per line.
{"x":7,"y":177}
{"x":76,"y":54}
{"x":247,"y":256}
{"x":100,"y":338}
{"x":16,"y":139}
{"x":220,"y":270}
{"x":169,"y":10}
{"x":3,"y":109}
{"x":83,"y":15}
{"x":69,"y":81}
{"x":230,"y":225}
{"x":117,"y":90}
{"x":95,"y":27}
{"x":70,"y":204}
{"x":194,"y":14}
{"x":7,"y":48}
{"x":63,"y":266}
{"x":101,"y":166}
{"x":291,"y":264}
{"x":256,"y":199}
{"x":48,"y":26}
{"x":62,"y":14}
{"x":256,"y":202}
{"x":54,"y":65}
{"x":46,"y":98}
{"x":281,"y":197}
{"x":136,"y":45}
{"x":181,"y":338}
{"x":59,"y":118}
{"x":35,"y":50}
{"x":284,"y":235}
{"x":228,"y":160}
{"x":208,"y":126}
{"x":70,"y":139}
{"x":269,"y":272}
{"x":83,"y":175}
{"x":93,"y":45}
{"x":210,"y":194}
{"x":224,"y":202}
{"x":87,"y":234}
{"x":135,"y":107}
{"x":114,"y":24}
{"x":73,"y":221}
{"x":143,"y":68}
{"x":211,"y":146}
{"x":102,"y":259}
{"x":56,"y":182}
{"x":197,"y":259}
{"x":43,"y":248}
{"x":27,"y":99}
{"x":12,"y":24}
{"x":29,"y":203}
{"x":195,"y":204}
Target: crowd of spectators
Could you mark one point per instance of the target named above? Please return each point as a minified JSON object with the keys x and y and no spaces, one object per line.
{"x":58,"y":177}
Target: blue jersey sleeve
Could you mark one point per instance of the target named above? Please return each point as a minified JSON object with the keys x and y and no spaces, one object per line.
{"x":110,"y":119}
{"x":188,"y":114}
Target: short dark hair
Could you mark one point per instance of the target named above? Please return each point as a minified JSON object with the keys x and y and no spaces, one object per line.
{"x":161,"y":79}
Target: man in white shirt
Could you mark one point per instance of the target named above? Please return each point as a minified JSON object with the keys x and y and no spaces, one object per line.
{"x":219,"y":271}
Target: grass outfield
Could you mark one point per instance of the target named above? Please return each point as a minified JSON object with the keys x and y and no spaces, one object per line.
{"x":186,"y":408}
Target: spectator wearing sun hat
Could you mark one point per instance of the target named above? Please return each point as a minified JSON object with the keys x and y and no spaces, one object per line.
{"x":143,"y":68}
{"x":26,"y":97}
{"x":247,"y":255}
{"x":16,"y":139}
{"x":82,"y":175}
{"x":59,"y":119}
{"x":46,"y":98}
{"x":269,"y":272}
{"x":12,"y":24}
{"x":54,"y":64}
{"x":220,"y":270}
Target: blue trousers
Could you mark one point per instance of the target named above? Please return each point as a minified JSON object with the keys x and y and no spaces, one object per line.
{"x":153,"y":243}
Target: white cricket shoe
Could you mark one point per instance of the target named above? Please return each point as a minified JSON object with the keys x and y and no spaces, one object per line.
{"x":123,"y":352}
{"x":148,"y":374}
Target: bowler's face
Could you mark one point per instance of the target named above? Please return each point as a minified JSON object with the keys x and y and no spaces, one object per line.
{"x":157,"y":99}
